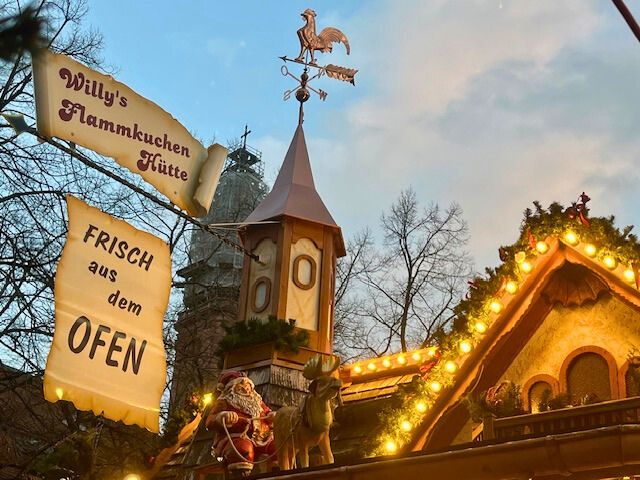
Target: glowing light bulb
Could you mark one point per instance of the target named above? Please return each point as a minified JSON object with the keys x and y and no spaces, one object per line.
{"x":465,"y":346}
{"x":526,"y":266}
{"x":495,"y":306}
{"x":421,"y":406}
{"x":432,"y":352}
{"x":386,"y":363}
{"x":542,"y":247}
{"x":480,"y":327}
{"x":371,"y":366}
{"x":59,"y":393}
{"x":511,"y":287}
{"x":416,"y":356}
{"x":406,"y":426}
{"x":390,"y":446}
{"x":451,"y":366}
{"x":590,"y":249}
{"x":609,"y":262}
{"x":207,"y":398}
{"x":436,"y":386}
{"x":629,"y":276}
{"x":357,"y":369}
{"x":520,"y":257}
{"x":571,"y":237}
{"x":132,"y":476}
{"x":402,"y":359}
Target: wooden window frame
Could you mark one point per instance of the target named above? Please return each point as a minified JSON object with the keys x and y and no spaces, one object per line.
{"x":611,"y":363}
{"x":267,"y":297}
{"x":296,"y":278}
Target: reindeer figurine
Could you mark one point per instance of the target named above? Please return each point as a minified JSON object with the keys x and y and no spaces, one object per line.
{"x":297,"y":429}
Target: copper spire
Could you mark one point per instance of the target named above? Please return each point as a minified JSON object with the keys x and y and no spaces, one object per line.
{"x":294,"y":193}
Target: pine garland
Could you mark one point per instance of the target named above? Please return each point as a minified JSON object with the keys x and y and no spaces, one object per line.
{"x":282,"y":333}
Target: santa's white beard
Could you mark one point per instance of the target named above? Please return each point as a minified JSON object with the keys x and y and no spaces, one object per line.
{"x":250,"y":404}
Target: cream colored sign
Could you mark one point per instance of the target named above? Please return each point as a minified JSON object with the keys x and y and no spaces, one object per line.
{"x":83,"y":106}
{"x":111,"y":293}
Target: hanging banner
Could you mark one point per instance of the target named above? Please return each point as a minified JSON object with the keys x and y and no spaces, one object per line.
{"x":93,"y":110}
{"x":111,"y":293}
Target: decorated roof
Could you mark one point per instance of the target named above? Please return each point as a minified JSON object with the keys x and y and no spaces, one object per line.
{"x":554,"y":244}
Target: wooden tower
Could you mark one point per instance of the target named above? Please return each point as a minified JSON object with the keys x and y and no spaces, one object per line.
{"x":298,"y":249}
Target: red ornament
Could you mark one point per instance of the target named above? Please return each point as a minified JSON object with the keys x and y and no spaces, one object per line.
{"x":532,"y":240}
{"x":582,"y":210}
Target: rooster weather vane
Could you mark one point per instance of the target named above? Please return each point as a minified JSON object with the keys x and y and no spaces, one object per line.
{"x":310,"y":42}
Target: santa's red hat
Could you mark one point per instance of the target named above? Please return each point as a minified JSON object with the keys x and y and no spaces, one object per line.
{"x":228,"y":377}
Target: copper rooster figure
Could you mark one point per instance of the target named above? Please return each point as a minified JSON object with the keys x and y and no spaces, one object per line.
{"x":310,"y":41}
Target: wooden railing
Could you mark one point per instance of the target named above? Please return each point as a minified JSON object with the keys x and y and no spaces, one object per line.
{"x":573,"y":419}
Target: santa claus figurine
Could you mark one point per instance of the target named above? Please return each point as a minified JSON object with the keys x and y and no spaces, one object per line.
{"x":242,"y":424}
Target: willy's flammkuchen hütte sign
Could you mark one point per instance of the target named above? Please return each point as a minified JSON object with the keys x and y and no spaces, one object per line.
{"x":111,"y":292}
{"x":80,"y":105}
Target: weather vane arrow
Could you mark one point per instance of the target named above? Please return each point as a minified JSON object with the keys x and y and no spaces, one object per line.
{"x":310,"y":42}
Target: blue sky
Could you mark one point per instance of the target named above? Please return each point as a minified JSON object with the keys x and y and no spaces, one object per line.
{"x":489,"y":103}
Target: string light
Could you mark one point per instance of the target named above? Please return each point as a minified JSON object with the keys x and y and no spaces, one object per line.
{"x":386,"y":363}
{"x":542,"y":247}
{"x":480,"y":327}
{"x":526,"y":266}
{"x":432,"y":352}
{"x":609,"y":262}
{"x":571,"y":237}
{"x":435,"y":386}
{"x":357,"y":369}
{"x":371,"y":366}
{"x":451,"y":366}
{"x":520,"y":257}
{"x":402,"y":359}
{"x":421,"y":406}
{"x":390,"y":446}
{"x":495,"y":306}
{"x":629,"y":275}
{"x":416,"y":356}
{"x":207,"y":398}
{"x":59,"y":393}
{"x":590,"y":249}
{"x":406,"y":425}
{"x":465,"y":346}
{"x":511,"y":287}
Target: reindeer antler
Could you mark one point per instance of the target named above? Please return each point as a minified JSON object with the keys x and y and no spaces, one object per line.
{"x":313,"y":368}
{"x":317,"y":367}
{"x":331,"y":365}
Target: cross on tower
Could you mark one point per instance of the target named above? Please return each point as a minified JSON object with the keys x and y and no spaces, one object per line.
{"x":244,"y":136}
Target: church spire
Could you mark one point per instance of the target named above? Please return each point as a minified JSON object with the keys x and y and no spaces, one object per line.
{"x":294,"y":193}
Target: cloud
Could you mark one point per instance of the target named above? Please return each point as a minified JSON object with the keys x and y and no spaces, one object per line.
{"x":490,"y":107}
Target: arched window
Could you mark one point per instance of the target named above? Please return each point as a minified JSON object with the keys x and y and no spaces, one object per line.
{"x":260,"y":294}
{"x":588,"y":376}
{"x":538,"y":392}
{"x":536,"y":389}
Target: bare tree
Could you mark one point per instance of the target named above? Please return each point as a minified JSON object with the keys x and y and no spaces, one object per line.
{"x":33,"y":181}
{"x":402,"y":294}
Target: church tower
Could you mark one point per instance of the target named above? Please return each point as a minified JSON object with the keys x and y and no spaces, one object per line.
{"x":213,"y":275}
{"x":298,"y":245}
